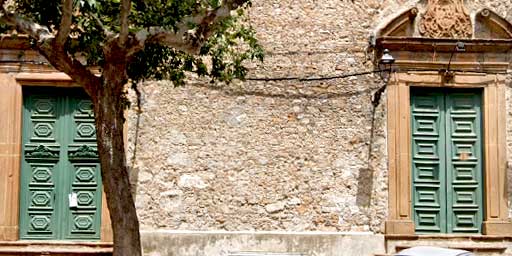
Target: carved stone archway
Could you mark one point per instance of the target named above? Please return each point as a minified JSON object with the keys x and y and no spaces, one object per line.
{"x":423,"y":39}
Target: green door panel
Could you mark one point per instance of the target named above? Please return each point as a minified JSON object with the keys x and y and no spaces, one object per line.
{"x":428,"y":162}
{"x":446,"y":161}
{"x":59,"y":158}
{"x":40,"y":168}
{"x":83,"y":177}
{"x":464,"y":160}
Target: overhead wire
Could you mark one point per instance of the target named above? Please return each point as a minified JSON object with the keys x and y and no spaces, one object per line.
{"x":318,"y":78}
{"x":303,"y":79}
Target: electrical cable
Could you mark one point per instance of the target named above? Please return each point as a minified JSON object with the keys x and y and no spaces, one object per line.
{"x":303,"y":79}
{"x":322,"y":78}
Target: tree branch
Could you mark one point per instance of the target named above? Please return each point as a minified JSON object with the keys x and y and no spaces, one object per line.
{"x":34,"y":30}
{"x":72,"y":67}
{"x":125,"y":12}
{"x":65,"y":23}
{"x":47,"y":46}
{"x":106,"y":32}
{"x":185,"y":38}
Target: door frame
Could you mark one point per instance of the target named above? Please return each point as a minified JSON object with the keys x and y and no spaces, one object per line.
{"x":494,"y":146}
{"x":11,"y":106}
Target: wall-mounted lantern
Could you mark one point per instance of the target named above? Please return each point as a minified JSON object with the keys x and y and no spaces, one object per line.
{"x":385,"y":64}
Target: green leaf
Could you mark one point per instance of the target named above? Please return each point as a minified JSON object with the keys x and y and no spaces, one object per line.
{"x":232,"y":44}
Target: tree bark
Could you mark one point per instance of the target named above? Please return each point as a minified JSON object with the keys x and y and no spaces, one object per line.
{"x":109,"y":109}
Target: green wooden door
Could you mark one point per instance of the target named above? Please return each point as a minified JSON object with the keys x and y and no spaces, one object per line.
{"x":446,"y":161}
{"x":60,"y":193}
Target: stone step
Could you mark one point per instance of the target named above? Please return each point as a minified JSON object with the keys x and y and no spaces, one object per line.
{"x":54,"y":248}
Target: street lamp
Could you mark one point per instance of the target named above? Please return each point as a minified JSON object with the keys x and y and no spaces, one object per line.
{"x":385,"y":63}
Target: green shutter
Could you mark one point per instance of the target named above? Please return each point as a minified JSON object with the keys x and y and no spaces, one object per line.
{"x":59,"y":159}
{"x":446,"y":161}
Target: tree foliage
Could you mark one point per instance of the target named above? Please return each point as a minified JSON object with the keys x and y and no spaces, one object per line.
{"x":131,"y":41}
{"x":221,"y":58}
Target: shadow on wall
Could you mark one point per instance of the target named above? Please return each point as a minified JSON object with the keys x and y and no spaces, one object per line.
{"x":364,"y":187}
{"x":365,"y":178}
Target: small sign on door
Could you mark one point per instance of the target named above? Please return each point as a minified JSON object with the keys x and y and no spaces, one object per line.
{"x":73,"y":200}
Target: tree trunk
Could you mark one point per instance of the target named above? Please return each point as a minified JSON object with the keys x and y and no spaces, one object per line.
{"x":109,"y":110}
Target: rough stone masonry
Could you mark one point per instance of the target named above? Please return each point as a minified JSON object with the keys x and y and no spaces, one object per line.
{"x":276,"y":156}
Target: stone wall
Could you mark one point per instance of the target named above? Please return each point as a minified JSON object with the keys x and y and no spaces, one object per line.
{"x":271,"y":156}
{"x":236,"y":161}
{"x":288,"y":155}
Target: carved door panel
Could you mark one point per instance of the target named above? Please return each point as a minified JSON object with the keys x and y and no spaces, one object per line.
{"x":464,"y":162}
{"x":429,"y":172}
{"x":60,"y":178}
{"x":447,"y":161}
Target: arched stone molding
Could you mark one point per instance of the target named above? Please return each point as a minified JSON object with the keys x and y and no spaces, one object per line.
{"x":423,"y":61}
{"x":402,"y":25}
{"x":488,"y":24}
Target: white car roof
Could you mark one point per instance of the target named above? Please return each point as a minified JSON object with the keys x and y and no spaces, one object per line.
{"x":432,"y":251}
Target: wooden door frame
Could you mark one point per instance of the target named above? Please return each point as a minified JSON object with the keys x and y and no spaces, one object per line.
{"x":494,"y":146}
{"x":11,"y":105}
